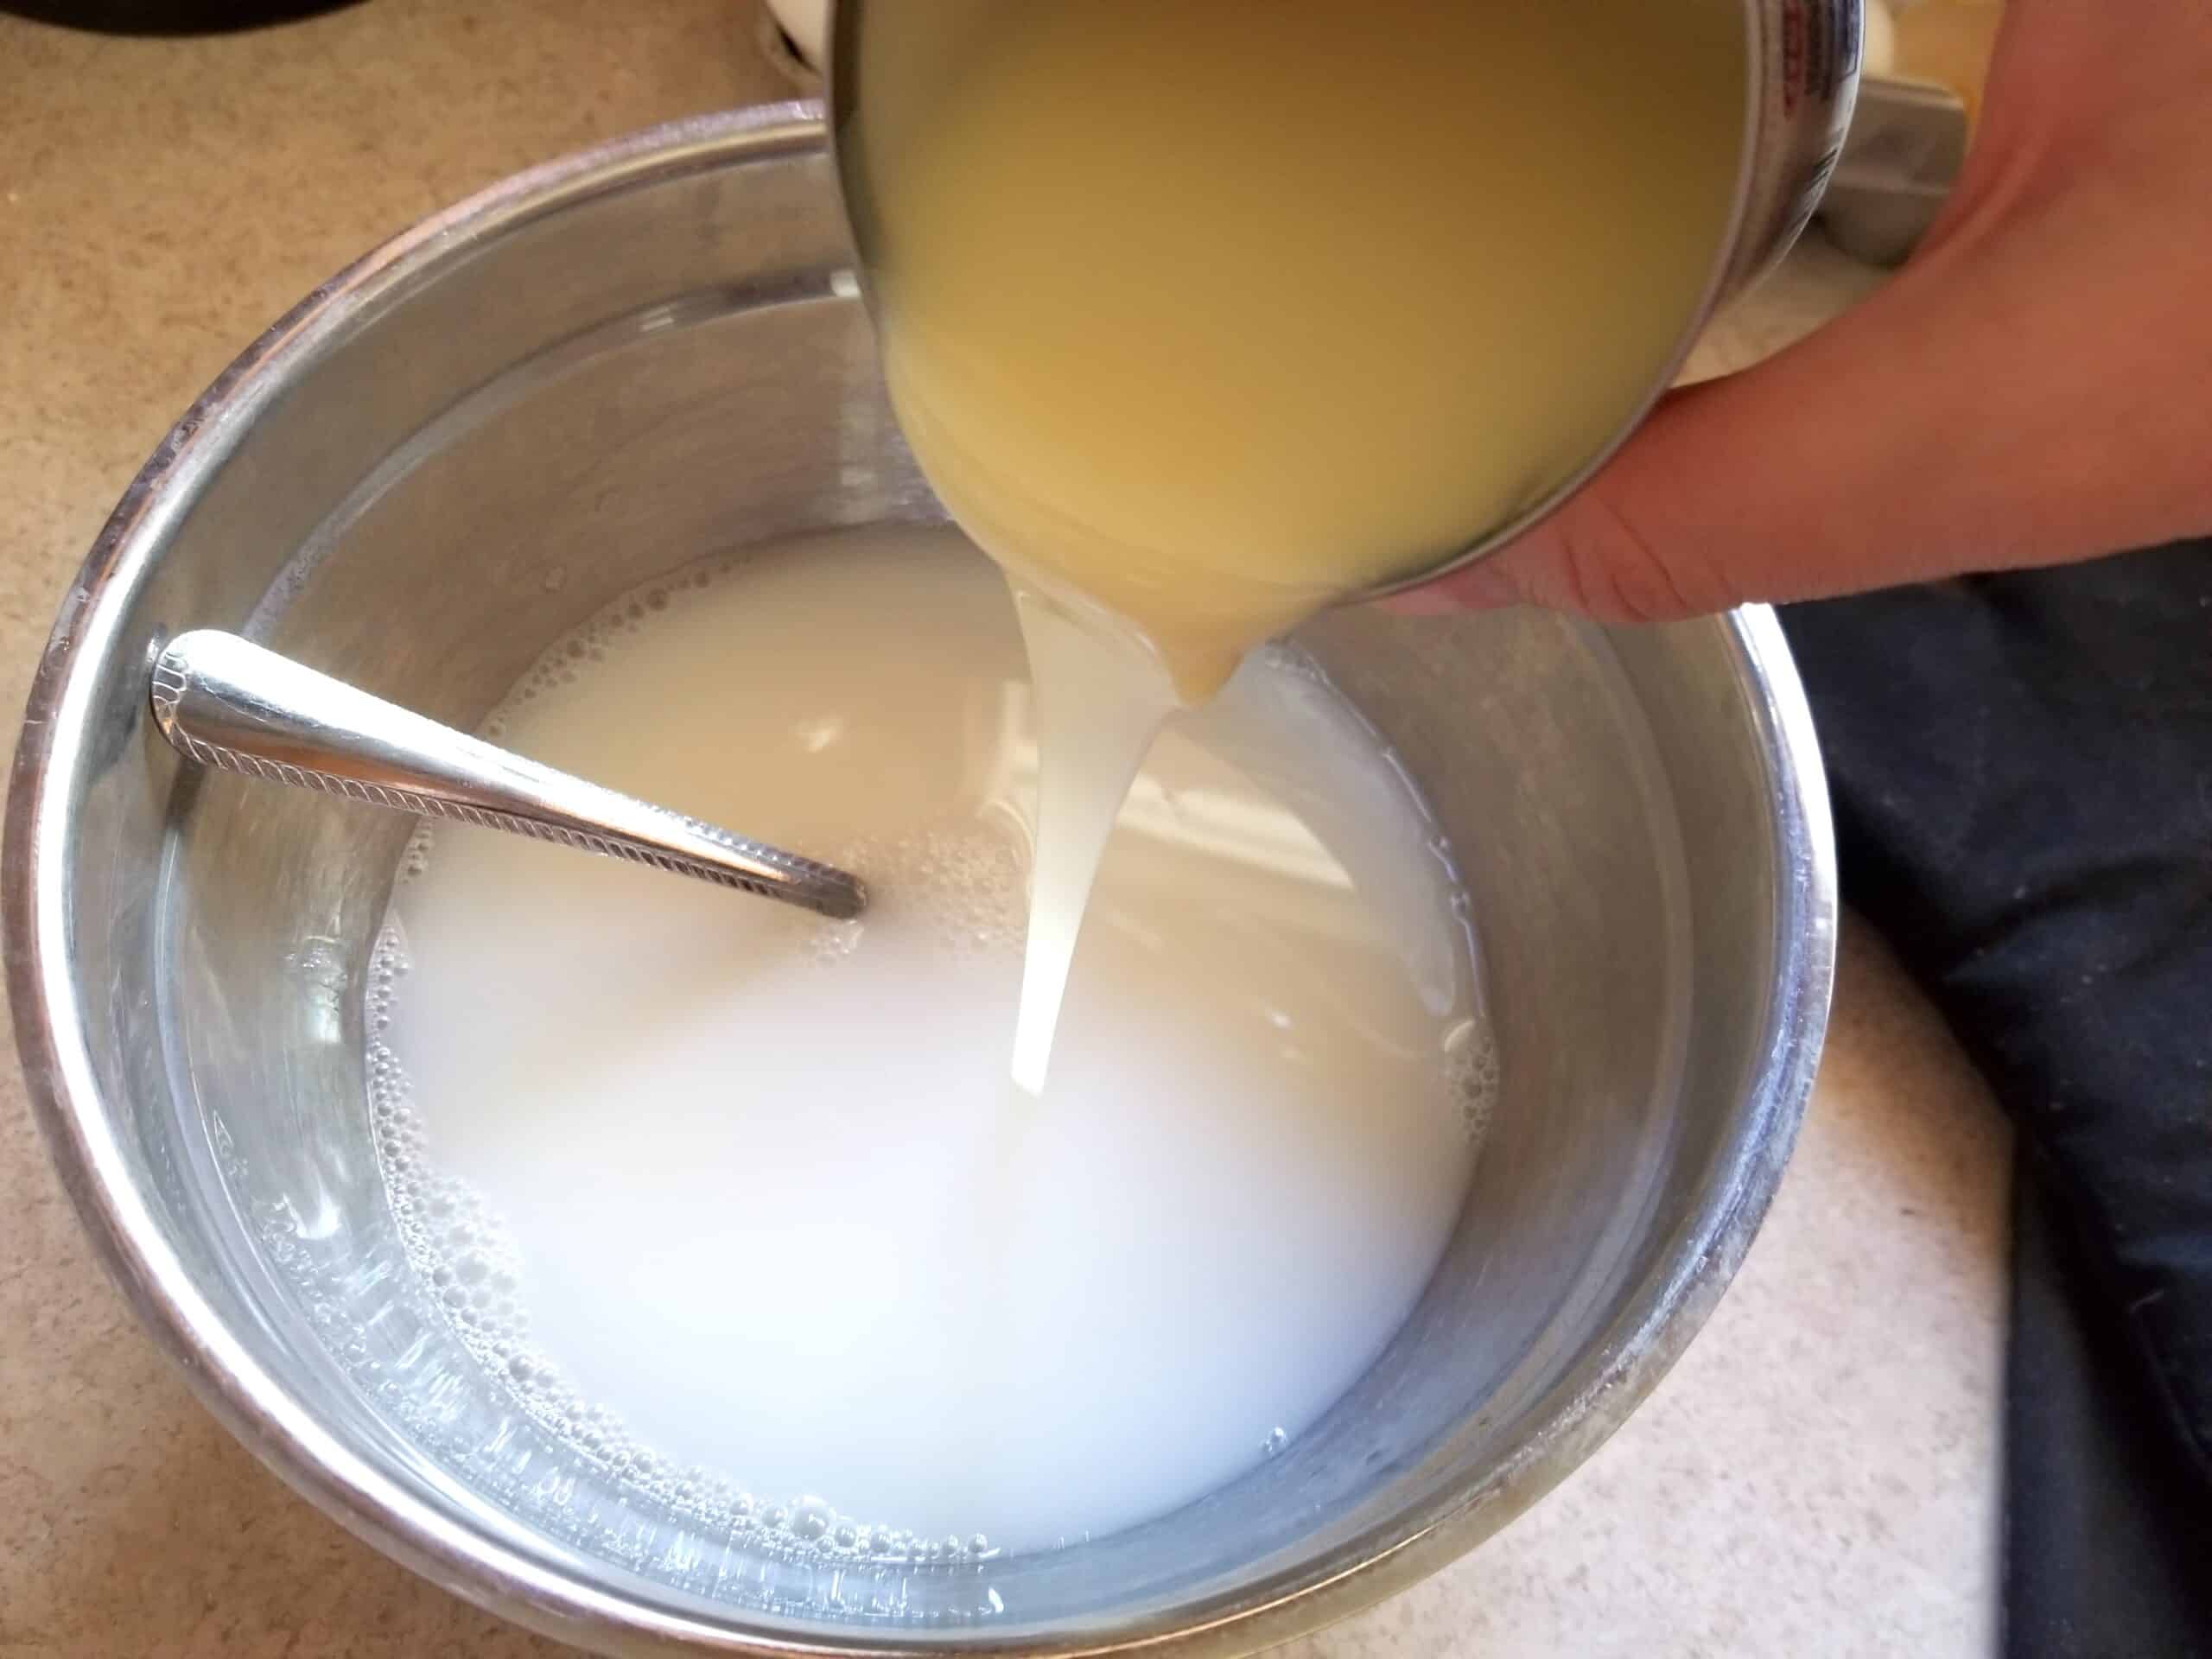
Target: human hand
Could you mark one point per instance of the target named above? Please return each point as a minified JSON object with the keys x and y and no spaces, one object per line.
{"x":2034,"y":387}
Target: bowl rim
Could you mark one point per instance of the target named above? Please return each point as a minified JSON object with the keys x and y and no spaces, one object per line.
{"x":264,"y":1414}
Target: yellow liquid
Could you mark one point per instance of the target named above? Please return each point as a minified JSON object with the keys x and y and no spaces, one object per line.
{"x":1201,"y":314}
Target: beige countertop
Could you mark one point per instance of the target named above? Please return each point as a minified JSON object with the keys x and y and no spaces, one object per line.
{"x":1817,"y":1476}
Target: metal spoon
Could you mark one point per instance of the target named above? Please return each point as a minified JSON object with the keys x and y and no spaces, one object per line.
{"x":226,"y":701}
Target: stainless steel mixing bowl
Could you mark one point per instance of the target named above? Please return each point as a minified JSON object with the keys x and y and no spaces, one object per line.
{"x":582,"y":380}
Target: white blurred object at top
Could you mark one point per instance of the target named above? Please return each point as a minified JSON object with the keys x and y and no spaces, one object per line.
{"x":1879,"y":52}
{"x":807,"y":22}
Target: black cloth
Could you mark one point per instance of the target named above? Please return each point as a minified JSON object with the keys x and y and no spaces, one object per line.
{"x":2107,"y":1546}
{"x":2022,"y":772}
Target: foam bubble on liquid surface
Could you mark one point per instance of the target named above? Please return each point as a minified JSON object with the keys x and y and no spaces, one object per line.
{"x":740,"y":1202}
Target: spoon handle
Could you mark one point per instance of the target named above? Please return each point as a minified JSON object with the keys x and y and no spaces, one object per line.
{"x":225,"y":702}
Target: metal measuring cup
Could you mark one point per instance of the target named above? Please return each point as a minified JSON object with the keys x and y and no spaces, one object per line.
{"x":1803,"y":59}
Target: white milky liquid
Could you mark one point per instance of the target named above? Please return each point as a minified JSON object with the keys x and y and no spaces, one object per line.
{"x":713,"y":1181}
{"x":1100,"y":699}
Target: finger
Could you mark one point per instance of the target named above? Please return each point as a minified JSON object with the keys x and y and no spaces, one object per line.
{"x":1781,"y":482}
{"x":1898,"y":442}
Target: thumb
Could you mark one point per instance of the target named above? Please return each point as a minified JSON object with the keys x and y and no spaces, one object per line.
{"x":2030,"y":389}
{"x":1817,"y":472}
